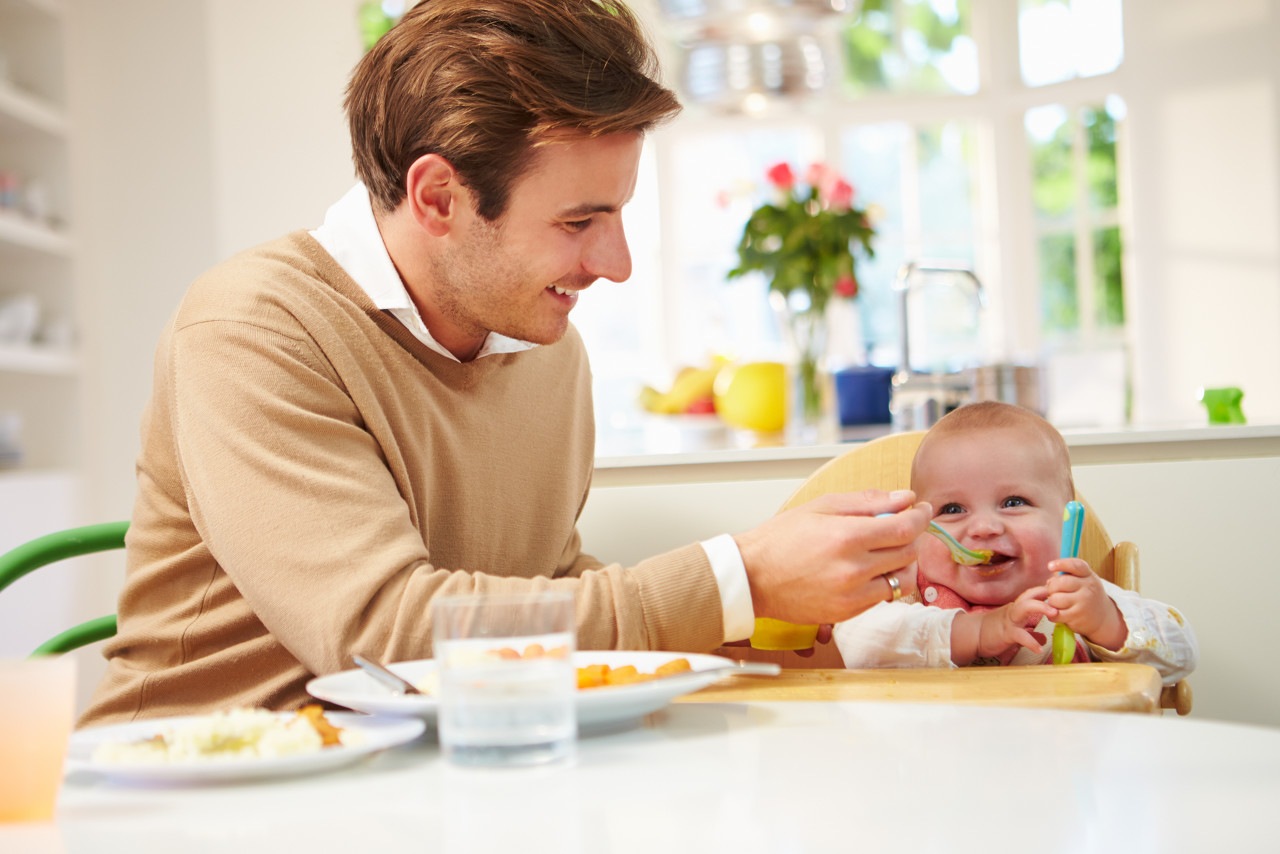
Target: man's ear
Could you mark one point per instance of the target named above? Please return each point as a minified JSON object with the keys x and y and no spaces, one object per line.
{"x":432,"y":194}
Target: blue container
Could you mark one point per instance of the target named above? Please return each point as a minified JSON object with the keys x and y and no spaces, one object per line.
{"x":862,"y":394}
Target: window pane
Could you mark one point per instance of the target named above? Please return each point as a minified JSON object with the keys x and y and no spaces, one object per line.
{"x":947,"y":157}
{"x":1059,"y":307}
{"x":922,"y":184}
{"x":1108,"y":276}
{"x":1049,"y":134}
{"x":1063,"y":39}
{"x":919,"y":46}
{"x":876,"y":158}
{"x":1100,"y":131}
{"x":719,"y":178}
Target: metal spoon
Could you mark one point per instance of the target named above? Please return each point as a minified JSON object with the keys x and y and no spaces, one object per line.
{"x":961,"y":555}
{"x":398,"y":684}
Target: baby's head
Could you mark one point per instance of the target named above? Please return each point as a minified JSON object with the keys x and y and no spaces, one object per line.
{"x":998,"y":477}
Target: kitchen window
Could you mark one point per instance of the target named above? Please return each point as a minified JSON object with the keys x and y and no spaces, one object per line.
{"x":984,"y":134}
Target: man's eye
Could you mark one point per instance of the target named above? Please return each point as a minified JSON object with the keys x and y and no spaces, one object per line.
{"x":950,"y":509}
{"x":577,"y":224}
{"x":1016,"y":501}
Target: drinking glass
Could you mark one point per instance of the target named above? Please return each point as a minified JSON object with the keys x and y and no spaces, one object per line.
{"x":35,"y":725}
{"x":507,"y":680}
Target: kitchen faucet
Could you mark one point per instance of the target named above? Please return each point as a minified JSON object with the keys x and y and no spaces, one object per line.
{"x":919,"y":398}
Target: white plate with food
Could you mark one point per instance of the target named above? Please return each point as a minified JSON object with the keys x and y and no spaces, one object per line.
{"x":604,"y":707}
{"x":241,"y":744}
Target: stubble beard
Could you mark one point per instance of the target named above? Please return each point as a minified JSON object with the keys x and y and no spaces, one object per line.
{"x":474,"y":289}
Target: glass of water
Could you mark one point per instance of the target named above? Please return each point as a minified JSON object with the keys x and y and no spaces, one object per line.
{"x":507,"y":681}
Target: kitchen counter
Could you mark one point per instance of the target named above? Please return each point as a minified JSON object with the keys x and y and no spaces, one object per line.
{"x":675,"y":449}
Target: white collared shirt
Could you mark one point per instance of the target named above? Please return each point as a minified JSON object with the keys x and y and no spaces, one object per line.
{"x":350,"y":234}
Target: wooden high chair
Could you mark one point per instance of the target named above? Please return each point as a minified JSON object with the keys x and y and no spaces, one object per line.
{"x":885,"y":463}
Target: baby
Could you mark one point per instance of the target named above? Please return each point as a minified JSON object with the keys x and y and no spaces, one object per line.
{"x":998,"y":477}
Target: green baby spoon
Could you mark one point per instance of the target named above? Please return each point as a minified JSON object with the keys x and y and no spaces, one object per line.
{"x":961,"y":555}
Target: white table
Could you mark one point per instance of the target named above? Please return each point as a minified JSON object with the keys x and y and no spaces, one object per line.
{"x":771,"y":778}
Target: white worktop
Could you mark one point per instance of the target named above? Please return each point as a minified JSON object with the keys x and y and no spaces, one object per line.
{"x":743,"y":778}
{"x":700,"y":448}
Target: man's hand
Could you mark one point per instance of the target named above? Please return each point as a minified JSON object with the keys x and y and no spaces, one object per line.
{"x":990,"y":634}
{"x":825,"y":561}
{"x":1083,"y":604}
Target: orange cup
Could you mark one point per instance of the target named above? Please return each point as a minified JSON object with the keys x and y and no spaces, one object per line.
{"x":779,"y":634}
{"x":35,"y":725}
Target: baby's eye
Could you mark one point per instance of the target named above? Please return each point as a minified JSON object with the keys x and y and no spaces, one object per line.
{"x":950,"y":509}
{"x":1015,"y":501}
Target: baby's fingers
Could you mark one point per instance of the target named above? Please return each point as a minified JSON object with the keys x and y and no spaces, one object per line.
{"x":1027,"y":605}
{"x":1070,"y":566}
{"x":1024,"y":638}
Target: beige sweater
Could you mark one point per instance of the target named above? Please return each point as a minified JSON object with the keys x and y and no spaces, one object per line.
{"x":311,"y":475}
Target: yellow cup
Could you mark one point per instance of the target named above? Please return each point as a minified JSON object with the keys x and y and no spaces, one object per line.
{"x":35,"y":725}
{"x":779,"y":634}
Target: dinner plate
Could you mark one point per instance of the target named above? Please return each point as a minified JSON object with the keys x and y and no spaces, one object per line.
{"x":598,"y":708}
{"x":375,"y":734}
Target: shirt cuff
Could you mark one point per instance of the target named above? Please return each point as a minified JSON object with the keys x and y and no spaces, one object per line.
{"x":735,"y":592}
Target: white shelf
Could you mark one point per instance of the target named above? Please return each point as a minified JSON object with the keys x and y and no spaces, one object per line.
{"x":38,"y":360}
{"x":17,"y":107}
{"x":20,"y":231}
{"x":40,"y":382}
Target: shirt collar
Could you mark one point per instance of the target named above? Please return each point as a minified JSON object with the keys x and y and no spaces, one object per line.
{"x":350,"y":234}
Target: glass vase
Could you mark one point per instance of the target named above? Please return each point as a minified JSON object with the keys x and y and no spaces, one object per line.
{"x":811,"y":416}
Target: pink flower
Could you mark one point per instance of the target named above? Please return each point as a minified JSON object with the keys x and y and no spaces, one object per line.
{"x":781,"y":176}
{"x":846,"y":285}
{"x":840,"y":194}
{"x":817,"y":174}
{"x":723,"y":199}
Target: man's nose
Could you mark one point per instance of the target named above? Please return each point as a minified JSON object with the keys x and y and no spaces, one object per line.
{"x":607,"y":255}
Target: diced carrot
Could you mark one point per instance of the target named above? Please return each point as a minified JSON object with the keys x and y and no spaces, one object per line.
{"x":680,"y":665}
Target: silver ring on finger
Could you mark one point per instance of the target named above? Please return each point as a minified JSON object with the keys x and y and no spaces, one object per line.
{"x":895,"y":588}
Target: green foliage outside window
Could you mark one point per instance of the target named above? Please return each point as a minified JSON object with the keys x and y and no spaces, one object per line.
{"x":1059,"y":309}
{"x":895,"y":46}
{"x":1100,"y":133}
{"x":1053,"y":187}
{"x":1056,"y":191}
{"x":1109,"y":281}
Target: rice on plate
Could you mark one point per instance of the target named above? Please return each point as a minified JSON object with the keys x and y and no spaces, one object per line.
{"x":242,"y":733}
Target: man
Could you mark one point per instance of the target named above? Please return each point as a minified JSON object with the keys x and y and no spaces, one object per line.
{"x":348,"y":422}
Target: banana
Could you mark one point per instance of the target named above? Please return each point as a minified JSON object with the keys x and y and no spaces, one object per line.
{"x":690,"y":384}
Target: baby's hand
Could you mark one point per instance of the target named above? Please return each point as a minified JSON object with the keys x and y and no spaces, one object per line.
{"x":1083,"y":605}
{"x":1006,"y":627}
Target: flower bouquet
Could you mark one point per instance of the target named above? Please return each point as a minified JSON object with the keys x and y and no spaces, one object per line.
{"x":803,"y":241}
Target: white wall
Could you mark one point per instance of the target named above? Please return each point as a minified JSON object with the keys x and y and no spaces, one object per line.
{"x":201,"y":128}
{"x":1204,"y":109}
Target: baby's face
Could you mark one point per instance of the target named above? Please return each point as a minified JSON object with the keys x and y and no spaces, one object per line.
{"x":998,"y":489}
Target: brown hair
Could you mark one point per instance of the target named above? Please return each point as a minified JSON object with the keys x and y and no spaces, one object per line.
{"x":483,"y":83}
{"x":987,"y":414}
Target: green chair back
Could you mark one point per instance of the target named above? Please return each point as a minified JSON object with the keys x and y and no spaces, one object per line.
{"x":57,"y":546}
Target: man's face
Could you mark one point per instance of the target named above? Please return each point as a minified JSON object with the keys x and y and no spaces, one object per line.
{"x":999,"y":489}
{"x":562,"y":230}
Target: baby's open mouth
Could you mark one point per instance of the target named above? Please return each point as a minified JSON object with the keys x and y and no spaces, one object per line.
{"x":993,"y":566}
